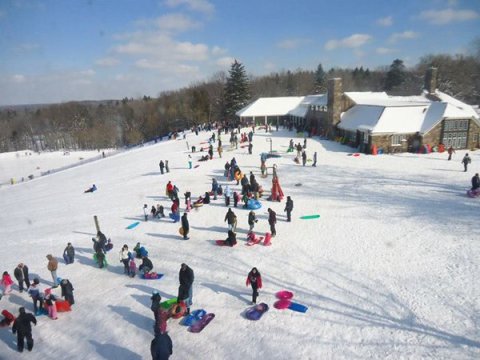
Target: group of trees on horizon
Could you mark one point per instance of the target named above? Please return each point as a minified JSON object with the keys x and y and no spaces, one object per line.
{"x":117,"y":123}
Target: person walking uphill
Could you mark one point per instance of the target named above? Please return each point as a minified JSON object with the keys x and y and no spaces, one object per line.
{"x":254,"y":279}
{"x":21,"y":274}
{"x":185,"y":291}
{"x":272,"y":220}
{"x":466,"y":160}
{"x":231,"y":219}
{"x":23,"y":328}
{"x":185,"y":226}
{"x":161,"y":164}
{"x":52,"y":267}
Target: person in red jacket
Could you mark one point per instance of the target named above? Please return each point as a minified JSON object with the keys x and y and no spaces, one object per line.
{"x":255,"y":280}
{"x":169,"y":189}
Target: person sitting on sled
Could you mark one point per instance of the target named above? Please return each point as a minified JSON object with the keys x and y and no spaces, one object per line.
{"x":231,"y":240}
{"x":146,"y":266}
{"x":91,"y":189}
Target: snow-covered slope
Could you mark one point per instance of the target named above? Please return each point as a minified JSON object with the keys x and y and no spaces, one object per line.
{"x":388,"y":271}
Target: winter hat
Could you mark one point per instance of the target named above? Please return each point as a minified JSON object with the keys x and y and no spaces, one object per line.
{"x":48,"y":291}
{"x":36,"y":281}
{"x":21,"y":310}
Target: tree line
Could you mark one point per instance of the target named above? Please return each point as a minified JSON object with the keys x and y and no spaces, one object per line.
{"x":125,"y":122}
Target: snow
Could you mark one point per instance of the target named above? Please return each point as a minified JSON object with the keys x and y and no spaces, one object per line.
{"x":388,"y":271}
{"x":272,"y":106}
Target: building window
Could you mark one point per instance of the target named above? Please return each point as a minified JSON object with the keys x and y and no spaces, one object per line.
{"x":398,"y":139}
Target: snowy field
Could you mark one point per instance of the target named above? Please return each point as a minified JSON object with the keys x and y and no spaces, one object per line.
{"x":22,"y":164}
{"x":389,"y":270}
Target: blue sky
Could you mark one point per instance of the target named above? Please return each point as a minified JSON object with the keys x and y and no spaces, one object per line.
{"x":56,"y":51}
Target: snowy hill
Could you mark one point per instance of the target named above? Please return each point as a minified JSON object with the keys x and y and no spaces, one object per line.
{"x":388,"y":271}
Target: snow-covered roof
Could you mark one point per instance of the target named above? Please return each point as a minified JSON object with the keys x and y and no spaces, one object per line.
{"x":384,"y":119}
{"x":309,"y":100}
{"x":271,"y":106}
{"x":365,"y":97}
{"x":456,"y":108}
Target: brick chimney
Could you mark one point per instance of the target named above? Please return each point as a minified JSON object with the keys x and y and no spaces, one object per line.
{"x":334,"y":101}
{"x":431,"y":80}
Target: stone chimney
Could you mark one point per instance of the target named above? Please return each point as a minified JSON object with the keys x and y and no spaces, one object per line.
{"x":431,"y":80}
{"x":334,"y":101}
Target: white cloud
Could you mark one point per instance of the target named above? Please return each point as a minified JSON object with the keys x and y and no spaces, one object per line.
{"x":218,"y":51}
{"x":107,"y":61}
{"x":383,"y":51}
{"x":406,"y":35}
{"x":225,"y":61}
{"x":176,"y":23}
{"x":292,"y":43}
{"x":202,"y":6}
{"x":353,"y":41}
{"x":270,"y":66}
{"x":442,"y":17}
{"x":385,"y":21}
{"x":19,"y":78}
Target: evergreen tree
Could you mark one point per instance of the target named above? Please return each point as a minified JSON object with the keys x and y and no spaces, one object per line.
{"x":320,"y":80}
{"x":237,"y":92}
{"x":396,"y":75}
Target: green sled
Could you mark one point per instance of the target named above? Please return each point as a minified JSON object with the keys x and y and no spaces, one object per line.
{"x":308,"y":217}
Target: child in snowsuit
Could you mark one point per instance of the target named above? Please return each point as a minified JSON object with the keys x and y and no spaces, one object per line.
{"x":160,"y":211}
{"x":69,"y":254}
{"x":7,"y":283}
{"x":255,"y":280}
{"x":160,"y":315}
{"x":132,"y":267}
{"x":51,"y":305}
{"x":8,"y":319}
{"x":67,"y":291}
{"x":37,"y":296}
{"x":235,"y":199}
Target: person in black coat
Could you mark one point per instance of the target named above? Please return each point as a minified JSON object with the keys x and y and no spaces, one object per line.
{"x":289,"y":208}
{"x":231,"y":240}
{"x":21,"y":274}
{"x":161,"y":164}
{"x":146,"y":265}
{"x":67,"y":291}
{"x":186,"y":278}
{"x":252,"y":219}
{"x":272,"y":220}
{"x":475,"y":183}
{"x":161,"y":347}
{"x":206,"y":199}
{"x":23,"y":328}
{"x":69,"y":254}
{"x":185,"y":226}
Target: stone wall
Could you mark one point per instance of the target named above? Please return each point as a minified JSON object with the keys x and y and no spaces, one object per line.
{"x":473,"y":141}
{"x":434,"y":136}
{"x":334,"y":103}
